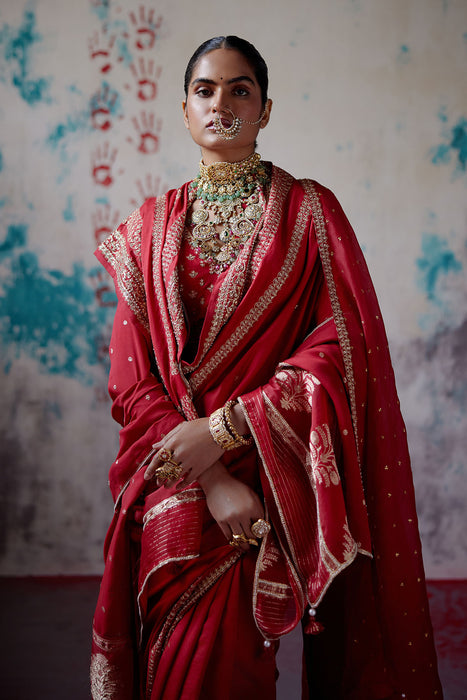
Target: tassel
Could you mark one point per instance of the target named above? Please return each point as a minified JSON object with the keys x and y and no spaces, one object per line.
{"x":312,"y":626}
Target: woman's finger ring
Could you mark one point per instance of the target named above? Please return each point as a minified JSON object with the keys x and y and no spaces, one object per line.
{"x":168,"y":471}
{"x":237,"y":539}
{"x":165,"y":455}
{"x":260,"y":528}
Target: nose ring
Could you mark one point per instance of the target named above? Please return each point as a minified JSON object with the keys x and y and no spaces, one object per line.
{"x":227,"y":132}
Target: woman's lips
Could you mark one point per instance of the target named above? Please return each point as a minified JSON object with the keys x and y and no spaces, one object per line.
{"x":225,"y":123}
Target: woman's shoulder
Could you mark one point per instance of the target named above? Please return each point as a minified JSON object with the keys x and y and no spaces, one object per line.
{"x":312,"y":189}
{"x":141,"y":219}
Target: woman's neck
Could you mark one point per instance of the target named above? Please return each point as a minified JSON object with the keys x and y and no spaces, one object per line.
{"x":226,"y":155}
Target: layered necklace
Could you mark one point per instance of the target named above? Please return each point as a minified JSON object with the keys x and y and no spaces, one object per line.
{"x":231,"y":201}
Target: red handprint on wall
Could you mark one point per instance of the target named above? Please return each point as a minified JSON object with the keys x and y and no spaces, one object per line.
{"x":100,"y":46}
{"x":147,"y":129}
{"x":145,"y":27}
{"x":104,"y":221}
{"x":102,"y":161}
{"x":150,"y":187}
{"x":146,"y":75}
{"x":104,"y":106}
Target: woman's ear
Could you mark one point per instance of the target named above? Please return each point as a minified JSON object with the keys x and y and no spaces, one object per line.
{"x":185,"y":114}
{"x":267,"y":113}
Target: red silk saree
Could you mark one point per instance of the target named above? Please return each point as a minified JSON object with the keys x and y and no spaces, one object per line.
{"x":294,"y":330}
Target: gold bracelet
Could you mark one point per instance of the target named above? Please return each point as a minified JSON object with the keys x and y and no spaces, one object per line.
{"x":219,"y":432}
{"x":239,"y":439}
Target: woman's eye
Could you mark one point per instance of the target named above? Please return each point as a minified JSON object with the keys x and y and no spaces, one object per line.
{"x":241,"y":91}
{"x":203,"y":92}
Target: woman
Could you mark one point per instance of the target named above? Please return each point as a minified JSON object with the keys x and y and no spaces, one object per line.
{"x":263,"y":477}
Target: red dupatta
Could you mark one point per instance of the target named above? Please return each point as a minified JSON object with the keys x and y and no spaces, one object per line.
{"x":259,"y":316}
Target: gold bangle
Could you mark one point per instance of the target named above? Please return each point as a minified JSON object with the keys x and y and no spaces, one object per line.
{"x":219,"y":432}
{"x":239,"y":439}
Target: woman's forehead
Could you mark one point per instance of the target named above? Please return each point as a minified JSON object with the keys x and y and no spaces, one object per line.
{"x":222,"y":64}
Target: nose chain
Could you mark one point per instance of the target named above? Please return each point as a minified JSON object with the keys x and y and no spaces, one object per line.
{"x":231,"y":202}
{"x":230,"y":132}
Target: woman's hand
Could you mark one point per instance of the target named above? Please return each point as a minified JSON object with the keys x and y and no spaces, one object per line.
{"x":232,"y":504}
{"x":192,"y":447}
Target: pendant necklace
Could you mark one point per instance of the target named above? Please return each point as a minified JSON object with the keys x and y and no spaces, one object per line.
{"x":232,"y":200}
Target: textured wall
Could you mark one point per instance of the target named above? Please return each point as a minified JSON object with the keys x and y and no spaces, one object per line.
{"x":369,"y":97}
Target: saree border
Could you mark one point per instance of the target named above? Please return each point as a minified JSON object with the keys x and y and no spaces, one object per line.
{"x":322,"y":239}
{"x":128,"y":277}
{"x":191,"y":596}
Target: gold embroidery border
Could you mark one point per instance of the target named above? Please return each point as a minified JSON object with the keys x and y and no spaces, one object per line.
{"x":161,"y":292}
{"x":110,"y":643}
{"x":178,"y":499}
{"x":191,"y":596}
{"x":339,"y":319}
{"x":128,"y":277}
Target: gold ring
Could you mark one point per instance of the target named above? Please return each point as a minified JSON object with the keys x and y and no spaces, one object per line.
{"x":260,"y":528}
{"x":169,"y":471}
{"x":243,"y":538}
{"x":165,"y":455}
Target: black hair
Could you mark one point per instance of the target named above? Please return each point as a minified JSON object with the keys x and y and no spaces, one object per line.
{"x":244,"y":47}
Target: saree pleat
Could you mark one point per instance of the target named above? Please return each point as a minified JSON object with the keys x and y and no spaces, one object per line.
{"x":215,"y":646}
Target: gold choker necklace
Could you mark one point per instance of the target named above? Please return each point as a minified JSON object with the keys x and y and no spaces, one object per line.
{"x":232,"y":201}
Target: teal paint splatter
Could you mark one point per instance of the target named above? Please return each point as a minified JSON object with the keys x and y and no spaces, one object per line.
{"x":68,"y":213}
{"x":123,"y":52}
{"x":101,"y":9}
{"x":1,"y":161}
{"x":17,"y":48}
{"x":74,"y":89}
{"x":49,"y":315}
{"x":404,"y":54}
{"x":107,"y":99}
{"x":73,"y":126}
{"x":454,"y":147}
{"x":437,"y":261}
{"x":74,"y":123}
{"x":16,"y":236}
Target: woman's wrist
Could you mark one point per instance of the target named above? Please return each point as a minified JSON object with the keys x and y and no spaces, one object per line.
{"x":237,"y":417}
{"x":212,"y":476}
{"x":228,"y":428}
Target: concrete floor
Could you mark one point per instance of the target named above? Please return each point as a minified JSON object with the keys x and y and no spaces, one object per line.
{"x":45,"y":640}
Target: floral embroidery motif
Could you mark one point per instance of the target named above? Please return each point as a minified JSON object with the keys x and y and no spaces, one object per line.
{"x":270,"y":557}
{"x":104,"y":678}
{"x":350,"y":546}
{"x":297,"y":389}
{"x":323,"y":460}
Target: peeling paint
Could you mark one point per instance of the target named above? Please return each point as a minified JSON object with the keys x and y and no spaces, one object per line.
{"x":68,"y":213}
{"x":454,"y":146}
{"x":51,"y":316}
{"x":17,"y":48}
{"x":436,"y":262}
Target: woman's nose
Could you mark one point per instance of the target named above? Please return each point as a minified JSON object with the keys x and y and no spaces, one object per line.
{"x":220,"y":104}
